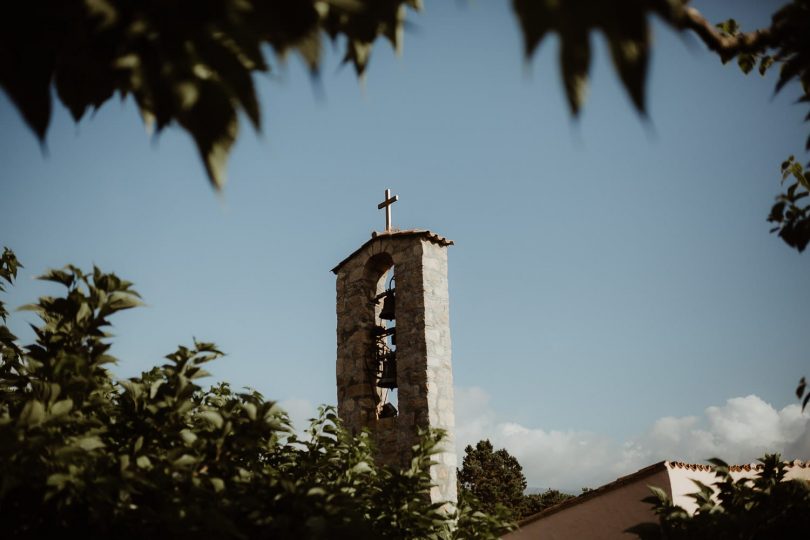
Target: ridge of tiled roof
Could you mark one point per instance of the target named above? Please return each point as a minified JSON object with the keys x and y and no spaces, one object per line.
{"x":733,"y":468}
{"x":429,"y":235}
{"x":432,"y":236}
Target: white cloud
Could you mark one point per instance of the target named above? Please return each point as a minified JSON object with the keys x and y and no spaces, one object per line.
{"x":474,"y":418}
{"x":739,"y":431}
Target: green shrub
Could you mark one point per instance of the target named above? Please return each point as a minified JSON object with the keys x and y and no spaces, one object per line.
{"x":762,"y":508}
{"x":158,"y":456}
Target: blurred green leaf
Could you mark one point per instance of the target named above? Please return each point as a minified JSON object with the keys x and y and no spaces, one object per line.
{"x":61,"y":407}
{"x":32,"y":414}
{"x":90,"y":443}
{"x":188,"y":436}
{"x":58,"y":276}
{"x":184,"y":461}
{"x":746,"y":62}
{"x":217,"y":483}
{"x":213,"y":418}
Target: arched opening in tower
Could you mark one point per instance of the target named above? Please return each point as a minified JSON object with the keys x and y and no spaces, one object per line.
{"x":385,"y":345}
{"x":380,"y":354}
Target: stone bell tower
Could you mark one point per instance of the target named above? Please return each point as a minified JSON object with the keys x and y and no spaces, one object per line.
{"x":394,"y":374}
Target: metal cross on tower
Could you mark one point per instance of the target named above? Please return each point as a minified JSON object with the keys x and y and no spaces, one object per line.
{"x":389,"y":200}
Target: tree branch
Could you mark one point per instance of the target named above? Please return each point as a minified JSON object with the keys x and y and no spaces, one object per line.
{"x":725,"y":45}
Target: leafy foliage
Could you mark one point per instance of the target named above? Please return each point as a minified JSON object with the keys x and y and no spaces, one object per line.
{"x":8,"y":347}
{"x":800,"y":393}
{"x":495,"y":479}
{"x":188,"y":62}
{"x":537,"y":502}
{"x":787,"y":44}
{"x":624,"y":23}
{"x":158,"y":456}
{"x":191,"y":62}
{"x":765,"y":507}
{"x":475,"y":522}
{"x":790,"y":214}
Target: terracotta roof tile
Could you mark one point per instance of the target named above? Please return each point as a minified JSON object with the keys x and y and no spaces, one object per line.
{"x":431,"y":236}
{"x":733,"y":468}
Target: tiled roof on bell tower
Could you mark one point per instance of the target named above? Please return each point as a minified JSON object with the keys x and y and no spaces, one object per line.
{"x":431,"y":236}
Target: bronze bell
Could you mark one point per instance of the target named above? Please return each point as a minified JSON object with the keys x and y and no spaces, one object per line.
{"x":389,"y":301}
{"x":388,"y":379}
{"x":388,"y":411}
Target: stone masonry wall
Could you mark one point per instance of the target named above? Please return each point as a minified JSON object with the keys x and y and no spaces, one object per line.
{"x":424,"y":370}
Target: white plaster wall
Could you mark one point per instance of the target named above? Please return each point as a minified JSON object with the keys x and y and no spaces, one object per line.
{"x":681,"y":482}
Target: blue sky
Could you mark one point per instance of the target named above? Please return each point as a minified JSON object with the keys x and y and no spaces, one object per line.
{"x":609,"y":273}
